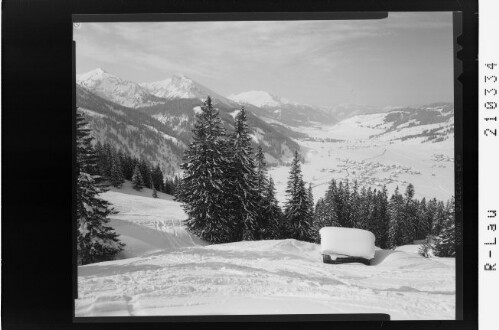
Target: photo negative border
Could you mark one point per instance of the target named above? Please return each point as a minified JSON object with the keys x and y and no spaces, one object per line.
{"x":37,"y":82}
{"x":286,"y":16}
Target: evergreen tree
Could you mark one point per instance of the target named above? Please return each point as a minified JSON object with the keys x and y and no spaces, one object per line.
{"x":145,"y":172}
{"x":116,"y":175}
{"x":86,"y":156}
{"x":154,"y":192}
{"x":262,"y":188}
{"x":330,"y":217}
{"x":409,"y":216}
{"x":157,"y":178}
{"x":310,"y":197}
{"x":319,"y":220}
{"x":440,"y":216}
{"x":95,"y":241}
{"x":395,"y":237}
{"x":245,"y":195}
{"x":444,"y":245}
{"x":137,"y":180}
{"x":297,"y":210}
{"x":355,"y":204}
{"x":204,"y":187}
{"x":430,"y":216}
{"x":272,"y":214}
{"x":383,"y":224}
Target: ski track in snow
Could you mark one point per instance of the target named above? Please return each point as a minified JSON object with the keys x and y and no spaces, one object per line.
{"x":167,"y":271}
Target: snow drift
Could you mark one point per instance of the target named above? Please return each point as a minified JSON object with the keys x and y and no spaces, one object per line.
{"x":347,"y":241}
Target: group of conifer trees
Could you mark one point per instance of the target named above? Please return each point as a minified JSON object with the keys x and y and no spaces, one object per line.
{"x":228,"y":197}
{"x":116,"y":167}
{"x":398,"y":220}
{"x":225,"y":190}
{"x":96,"y":241}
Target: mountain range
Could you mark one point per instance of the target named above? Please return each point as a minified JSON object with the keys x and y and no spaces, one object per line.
{"x":154,"y":120}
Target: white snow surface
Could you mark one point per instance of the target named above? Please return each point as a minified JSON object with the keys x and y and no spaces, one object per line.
{"x":347,"y":241}
{"x":170,"y":272}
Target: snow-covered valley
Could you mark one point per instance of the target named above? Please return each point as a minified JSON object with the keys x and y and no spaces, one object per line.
{"x":167,"y":271}
{"x":351,"y":150}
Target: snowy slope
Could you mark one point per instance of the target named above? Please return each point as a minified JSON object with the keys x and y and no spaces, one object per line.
{"x":116,"y":89}
{"x":266,"y":277}
{"x":170,"y":272}
{"x":147,"y":224}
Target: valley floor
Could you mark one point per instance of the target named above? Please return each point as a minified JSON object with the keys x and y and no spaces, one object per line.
{"x":170,"y":272}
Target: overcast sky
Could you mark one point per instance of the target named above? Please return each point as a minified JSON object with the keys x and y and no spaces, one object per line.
{"x":405,"y":59}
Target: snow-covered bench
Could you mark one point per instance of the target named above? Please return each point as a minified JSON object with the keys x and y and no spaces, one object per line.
{"x":340,"y":245}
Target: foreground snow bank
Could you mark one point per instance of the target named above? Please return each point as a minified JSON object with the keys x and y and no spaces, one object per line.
{"x":266,"y":277}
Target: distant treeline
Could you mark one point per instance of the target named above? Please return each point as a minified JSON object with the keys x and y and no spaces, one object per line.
{"x":398,"y":220}
{"x":117,"y":166}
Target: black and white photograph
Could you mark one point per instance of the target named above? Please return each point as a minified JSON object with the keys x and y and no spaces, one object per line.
{"x":269,"y":167}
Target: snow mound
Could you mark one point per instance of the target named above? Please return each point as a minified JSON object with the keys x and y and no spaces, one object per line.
{"x":347,"y":241}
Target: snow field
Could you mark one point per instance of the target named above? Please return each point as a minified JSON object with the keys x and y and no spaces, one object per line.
{"x":373,"y":162}
{"x":148,"y":224}
{"x":167,"y":271}
{"x":266,"y":277}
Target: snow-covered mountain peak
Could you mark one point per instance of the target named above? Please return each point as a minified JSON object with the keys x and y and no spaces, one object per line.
{"x":92,"y":77}
{"x":260,"y":99}
{"x":116,"y":89}
{"x":180,"y":86}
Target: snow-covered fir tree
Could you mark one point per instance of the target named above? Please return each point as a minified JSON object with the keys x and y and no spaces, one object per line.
{"x":145,"y":172}
{"x":95,"y":240}
{"x":137,"y":180}
{"x":395,"y":235}
{"x":310,"y":197}
{"x":205,"y":187}
{"x":409,"y":215}
{"x":245,"y":195}
{"x":297,"y":216}
{"x":330,"y":217}
{"x":116,"y":176}
{"x":444,"y":244}
{"x":271,"y":227}
{"x":319,"y":219}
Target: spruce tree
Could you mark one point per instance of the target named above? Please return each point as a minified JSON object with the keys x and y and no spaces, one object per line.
{"x":204,"y":188}
{"x":444,"y":245}
{"x":272,"y":214}
{"x":95,"y":240}
{"x":310,"y":197}
{"x":262,"y":188}
{"x":330,"y":217}
{"x":297,"y":214}
{"x":137,"y":180}
{"x":409,"y":216}
{"x":319,"y":220}
{"x":145,"y":171}
{"x":157,"y":178}
{"x":116,"y":174}
{"x":395,"y":235}
{"x":245,"y":194}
